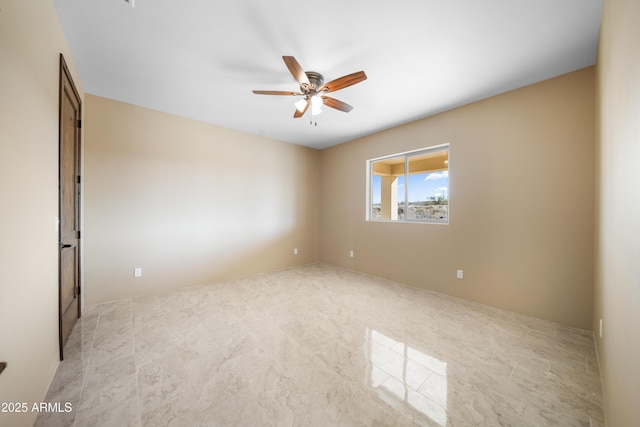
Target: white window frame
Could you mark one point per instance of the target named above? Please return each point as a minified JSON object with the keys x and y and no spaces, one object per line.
{"x":407,"y":155}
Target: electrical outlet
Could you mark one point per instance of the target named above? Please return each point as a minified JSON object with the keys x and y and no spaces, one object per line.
{"x":351,"y":254}
{"x":137,"y":272}
{"x":460,"y":274}
{"x":600,"y":332}
{"x":295,"y":251}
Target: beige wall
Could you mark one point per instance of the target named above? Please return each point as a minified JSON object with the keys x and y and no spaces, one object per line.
{"x":189,"y":202}
{"x":521,"y":199}
{"x":31,"y":40}
{"x":617,"y":291}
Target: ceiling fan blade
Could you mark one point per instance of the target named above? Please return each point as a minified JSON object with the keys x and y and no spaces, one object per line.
{"x":296,"y":70}
{"x":336,"y":103}
{"x":299,"y":113}
{"x":344,"y":81}
{"x":275,"y":92}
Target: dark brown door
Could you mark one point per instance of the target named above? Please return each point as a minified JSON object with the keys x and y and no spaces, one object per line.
{"x":69,"y":270}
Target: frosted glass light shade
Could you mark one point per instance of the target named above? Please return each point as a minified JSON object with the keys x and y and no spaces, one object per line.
{"x":316,"y":102}
{"x":301,"y":104}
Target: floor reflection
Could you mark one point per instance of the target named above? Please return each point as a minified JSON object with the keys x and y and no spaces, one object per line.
{"x":403,"y":375}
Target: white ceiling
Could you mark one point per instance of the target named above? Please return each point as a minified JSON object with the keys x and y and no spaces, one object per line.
{"x":201,"y":58}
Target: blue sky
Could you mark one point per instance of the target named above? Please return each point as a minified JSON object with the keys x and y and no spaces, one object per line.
{"x":421,"y":186}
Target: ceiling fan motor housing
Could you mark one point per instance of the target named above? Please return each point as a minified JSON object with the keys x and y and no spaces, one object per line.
{"x":315,"y":79}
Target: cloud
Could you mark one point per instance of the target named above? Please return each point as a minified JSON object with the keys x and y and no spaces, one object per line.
{"x":437,"y":175}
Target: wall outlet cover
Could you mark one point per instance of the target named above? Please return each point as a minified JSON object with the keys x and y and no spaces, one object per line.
{"x":600,"y":331}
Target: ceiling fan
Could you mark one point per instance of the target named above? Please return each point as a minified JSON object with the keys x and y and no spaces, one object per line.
{"x":313,"y":89}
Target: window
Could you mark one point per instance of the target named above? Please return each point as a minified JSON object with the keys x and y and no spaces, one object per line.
{"x":411,"y":186}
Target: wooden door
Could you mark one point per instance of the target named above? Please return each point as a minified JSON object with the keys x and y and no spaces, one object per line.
{"x":69,"y":205}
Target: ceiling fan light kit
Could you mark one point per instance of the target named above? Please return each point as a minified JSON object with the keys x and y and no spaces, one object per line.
{"x":313,"y":89}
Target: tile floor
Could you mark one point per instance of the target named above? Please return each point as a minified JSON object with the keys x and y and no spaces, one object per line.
{"x":319,"y":345}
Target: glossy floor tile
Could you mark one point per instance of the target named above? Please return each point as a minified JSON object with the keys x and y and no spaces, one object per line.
{"x":319,"y":345}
